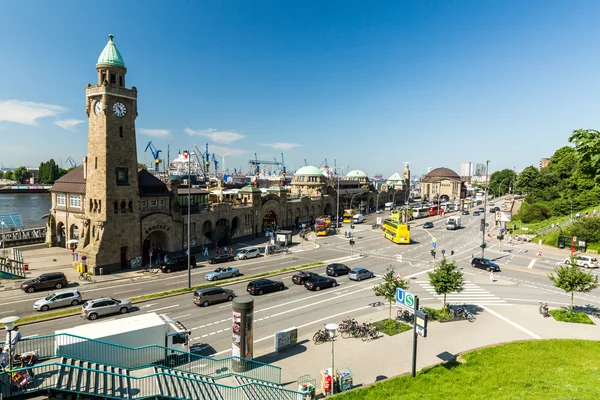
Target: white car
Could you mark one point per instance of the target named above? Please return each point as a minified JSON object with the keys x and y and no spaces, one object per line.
{"x":584,"y":261}
{"x":248,"y":253}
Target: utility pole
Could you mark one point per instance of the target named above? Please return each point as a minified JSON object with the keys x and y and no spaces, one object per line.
{"x":487,"y":185}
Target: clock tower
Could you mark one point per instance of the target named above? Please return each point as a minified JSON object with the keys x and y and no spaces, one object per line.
{"x":111,"y":236}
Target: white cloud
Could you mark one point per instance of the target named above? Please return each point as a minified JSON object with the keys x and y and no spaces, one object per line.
{"x":215,"y":135}
{"x":158,"y":133}
{"x":224,"y":150}
{"x":27,"y":112}
{"x":282,"y":146}
{"x":68,"y":124}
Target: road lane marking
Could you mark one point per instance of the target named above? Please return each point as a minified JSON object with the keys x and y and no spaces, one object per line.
{"x":519,"y":327}
{"x":182,"y":316}
{"x":531,"y":263}
{"x":127,"y":291}
{"x":164,"y":308}
{"x":540,"y":301}
{"x":7,"y":312}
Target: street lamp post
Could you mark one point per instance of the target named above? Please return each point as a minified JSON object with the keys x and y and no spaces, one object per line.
{"x":9,"y":325}
{"x":189,"y":222}
{"x":4,"y":251}
{"x":487,"y":185}
{"x":337,"y":216}
{"x":332,"y":328}
{"x":352,"y":199}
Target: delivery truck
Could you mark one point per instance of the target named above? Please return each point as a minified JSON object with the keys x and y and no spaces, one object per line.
{"x":156,"y":338}
{"x":358,"y":219}
{"x":453,"y":222}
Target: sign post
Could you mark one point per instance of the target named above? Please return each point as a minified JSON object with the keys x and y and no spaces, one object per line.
{"x":150,"y":253}
{"x":415,"y":336}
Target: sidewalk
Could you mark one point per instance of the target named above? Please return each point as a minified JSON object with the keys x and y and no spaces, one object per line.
{"x":42,"y":259}
{"x":387,"y":356}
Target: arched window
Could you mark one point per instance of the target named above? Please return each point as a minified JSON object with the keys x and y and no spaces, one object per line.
{"x":123,"y":206}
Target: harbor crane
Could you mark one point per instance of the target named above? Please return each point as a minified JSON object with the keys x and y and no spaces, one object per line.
{"x":72,"y":162}
{"x":155,"y":154}
{"x":215,"y":162}
{"x":202,"y":163}
{"x":256,"y":163}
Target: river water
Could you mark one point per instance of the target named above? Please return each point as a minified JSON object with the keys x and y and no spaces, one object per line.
{"x":30,"y":206}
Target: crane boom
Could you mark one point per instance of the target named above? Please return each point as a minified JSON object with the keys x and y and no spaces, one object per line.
{"x":155,"y":154}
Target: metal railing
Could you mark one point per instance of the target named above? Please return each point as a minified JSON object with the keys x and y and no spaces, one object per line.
{"x":72,"y":346}
{"x":58,"y":376}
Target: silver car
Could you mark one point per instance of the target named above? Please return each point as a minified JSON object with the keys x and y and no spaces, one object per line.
{"x":248,"y":253}
{"x":358,"y":274}
{"x":207,"y":296}
{"x":222,"y":273}
{"x":93,"y":309}
{"x":63,"y":298}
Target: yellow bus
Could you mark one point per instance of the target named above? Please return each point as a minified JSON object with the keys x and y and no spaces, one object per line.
{"x":348,"y":214}
{"x":396,"y":232}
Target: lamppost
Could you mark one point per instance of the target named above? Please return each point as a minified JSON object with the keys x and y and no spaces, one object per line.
{"x":337,"y":216}
{"x":352,"y":199}
{"x":4,"y":252}
{"x":189,"y":222}
{"x":9,"y":325}
{"x":487,"y":185}
{"x":332,"y":328}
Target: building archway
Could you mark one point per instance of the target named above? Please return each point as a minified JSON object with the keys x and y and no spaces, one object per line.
{"x":158,"y":241}
{"x":444,"y":198}
{"x":207,"y":230}
{"x":235,"y":224}
{"x":74,"y":232}
{"x":371,"y":203}
{"x":269,"y":222}
{"x":221,"y":233}
{"x":61,"y":239}
{"x":328,"y":210}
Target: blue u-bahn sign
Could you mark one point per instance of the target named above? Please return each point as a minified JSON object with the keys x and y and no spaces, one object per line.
{"x":405,"y":299}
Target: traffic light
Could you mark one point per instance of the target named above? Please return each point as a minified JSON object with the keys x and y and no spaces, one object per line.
{"x":351,"y":242}
{"x":483,"y":245}
{"x":432,"y":253}
{"x":451,"y":252}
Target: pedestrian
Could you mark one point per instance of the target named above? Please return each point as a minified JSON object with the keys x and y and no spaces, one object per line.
{"x":13,"y":337}
{"x":229,"y":250}
{"x":205,"y":251}
{"x":492,"y":275}
{"x":217,"y":250}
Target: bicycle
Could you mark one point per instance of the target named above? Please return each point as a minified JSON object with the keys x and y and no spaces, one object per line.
{"x":404,"y":315}
{"x":543,"y":309}
{"x":368,"y":332}
{"x":150,"y":270}
{"x":461,"y":313}
{"x":347,"y":324}
{"x":321,"y":336}
{"x":83,"y":276}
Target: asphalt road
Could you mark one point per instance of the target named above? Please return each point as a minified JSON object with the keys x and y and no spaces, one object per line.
{"x":523,"y":280}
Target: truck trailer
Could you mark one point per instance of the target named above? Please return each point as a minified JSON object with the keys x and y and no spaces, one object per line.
{"x":155,"y":337}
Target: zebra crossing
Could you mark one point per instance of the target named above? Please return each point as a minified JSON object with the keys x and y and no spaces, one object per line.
{"x":471,"y":294}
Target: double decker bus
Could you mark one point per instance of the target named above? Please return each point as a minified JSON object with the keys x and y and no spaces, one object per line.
{"x":420,"y":212}
{"x":396,"y":232}
{"x":349,"y":213}
{"x":322,"y":225}
{"x":434,"y":210}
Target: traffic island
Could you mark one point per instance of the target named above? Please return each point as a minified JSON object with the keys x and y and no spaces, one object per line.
{"x":391,"y":327}
{"x":563,"y":315}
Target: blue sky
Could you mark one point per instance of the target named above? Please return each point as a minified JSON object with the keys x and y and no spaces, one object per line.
{"x":368,"y":84}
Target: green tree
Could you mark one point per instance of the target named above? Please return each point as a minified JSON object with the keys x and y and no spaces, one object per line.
{"x":587,"y":144}
{"x":528,"y":180}
{"x":446,"y":278}
{"x":587,"y":229}
{"x":20,"y":174}
{"x":533,"y":212}
{"x":502,"y":181}
{"x":1,"y":175}
{"x":387,"y":289}
{"x":572,"y":278}
{"x":8,"y":175}
{"x":563,"y":162}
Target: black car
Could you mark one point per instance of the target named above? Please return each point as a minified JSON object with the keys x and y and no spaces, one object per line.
{"x":301,"y":276}
{"x":486,"y":264}
{"x":319,"y":282}
{"x":262,"y":286}
{"x":337,"y":269}
{"x":428,"y":225}
{"x":465,"y":212}
{"x":49,"y":280}
{"x":178,"y":263}
{"x":220,"y":258}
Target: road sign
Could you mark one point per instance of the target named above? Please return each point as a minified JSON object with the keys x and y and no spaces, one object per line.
{"x":443,"y":251}
{"x":150,"y":251}
{"x":398,"y":276}
{"x":379,"y":220}
{"x":399,"y":258}
{"x":405,"y":299}
{"x":434,"y":244}
{"x":421,"y":323}
{"x":433,"y":240}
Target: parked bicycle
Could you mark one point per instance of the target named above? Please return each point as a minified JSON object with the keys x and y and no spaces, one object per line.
{"x":461,"y":313}
{"x":404,"y":315}
{"x":321,"y":336}
{"x":84,"y":276}
{"x":347,"y":324}
{"x":149,"y":269}
{"x":543,"y":309}
{"x":368,"y":332}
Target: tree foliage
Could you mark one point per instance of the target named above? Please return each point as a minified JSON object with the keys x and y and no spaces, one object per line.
{"x":571,"y":279}
{"x":49,"y":172}
{"x":587,"y":228}
{"x":20,"y":174}
{"x":528,"y":180}
{"x":502,"y":181}
{"x":534,"y":212}
{"x":587,"y":144}
{"x":8,"y":175}
{"x":387,"y":289}
{"x":446,"y":278}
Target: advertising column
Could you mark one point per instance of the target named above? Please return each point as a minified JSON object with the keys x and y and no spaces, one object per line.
{"x":242,"y":331}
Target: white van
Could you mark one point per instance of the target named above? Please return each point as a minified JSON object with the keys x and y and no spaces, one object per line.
{"x":358,"y":219}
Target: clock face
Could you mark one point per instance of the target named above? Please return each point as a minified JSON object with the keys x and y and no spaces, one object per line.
{"x":119,"y":109}
{"x":98,"y":107}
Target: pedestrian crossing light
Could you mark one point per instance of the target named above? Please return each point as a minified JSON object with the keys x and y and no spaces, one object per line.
{"x":451,"y":252}
{"x":483,"y":245}
{"x":432,"y":253}
{"x":351,"y":242}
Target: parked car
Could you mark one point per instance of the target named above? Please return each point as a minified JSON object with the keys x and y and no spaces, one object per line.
{"x":248,"y":253}
{"x":262,"y":286}
{"x":337,"y":269}
{"x":485,"y":263}
{"x":215,"y":294}
{"x":92,"y":309}
{"x":50,"y":280}
{"x":220,"y":258}
{"x":428,"y":225}
{"x":64,"y":298}
{"x":177,"y":263}
{"x":466,"y":212}
{"x":358,"y":274}
{"x":320,"y":282}
{"x":301,"y":276}
{"x":222,"y":273}
{"x":584,"y":261}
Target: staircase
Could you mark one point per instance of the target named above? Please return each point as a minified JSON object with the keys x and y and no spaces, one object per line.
{"x":92,"y":378}
{"x":259,"y":390}
{"x":184,"y":385}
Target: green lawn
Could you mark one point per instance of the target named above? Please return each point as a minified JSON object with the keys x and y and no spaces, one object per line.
{"x":545,"y":369}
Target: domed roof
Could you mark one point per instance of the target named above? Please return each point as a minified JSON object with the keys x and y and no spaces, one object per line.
{"x":249,"y":189}
{"x":442,"y":173}
{"x":309,"y":170}
{"x":110,"y":55}
{"x":276,"y":189}
{"x":396,"y":177}
{"x":357,"y":173}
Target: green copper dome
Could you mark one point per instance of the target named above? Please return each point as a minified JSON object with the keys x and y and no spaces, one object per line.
{"x":110,"y":55}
